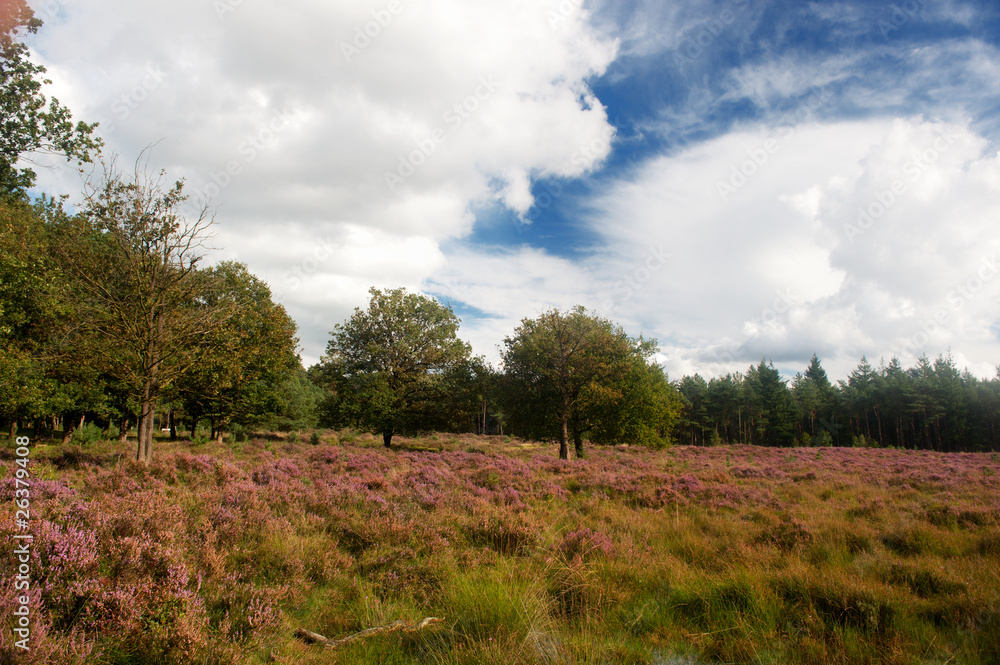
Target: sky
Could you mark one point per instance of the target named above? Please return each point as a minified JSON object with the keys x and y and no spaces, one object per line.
{"x":738,"y":179}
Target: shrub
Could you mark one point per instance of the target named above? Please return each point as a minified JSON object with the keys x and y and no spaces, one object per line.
{"x":585,"y":544}
{"x":88,"y":434}
{"x":314,"y":438}
{"x":823,"y":439}
{"x":503,"y":532}
{"x":238,"y":434}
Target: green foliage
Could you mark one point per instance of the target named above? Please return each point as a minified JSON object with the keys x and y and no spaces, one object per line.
{"x":29,"y":124}
{"x":646,"y":410}
{"x":299,"y":402}
{"x":929,"y":406}
{"x":246,"y":365}
{"x":774,"y":412}
{"x":385,"y":367}
{"x":568,"y":373}
{"x":132,"y":261}
{"x":89,"y":433}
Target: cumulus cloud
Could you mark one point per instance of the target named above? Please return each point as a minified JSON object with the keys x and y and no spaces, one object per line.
{"x":341,"y":143}
{"x":843,"y":239}
{"x":775,"y":196}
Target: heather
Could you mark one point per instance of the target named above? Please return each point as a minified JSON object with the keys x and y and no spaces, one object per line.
{"x":216,"y":553}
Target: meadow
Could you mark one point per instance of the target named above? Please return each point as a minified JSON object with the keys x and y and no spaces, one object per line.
{"x":218,"y":553}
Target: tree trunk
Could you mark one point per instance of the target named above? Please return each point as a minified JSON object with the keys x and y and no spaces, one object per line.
{"x":144,"y":427}
{"x":173,"y":426}
{"x":387,"y":438}
{"x":578,"y":443}
{"x":564,"y":433}
{"x":68,"y":428}
{"x":13,"y":428}
{"x":150,"y":389}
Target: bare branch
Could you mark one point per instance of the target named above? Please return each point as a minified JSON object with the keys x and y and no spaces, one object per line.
{"x":401,"y":625}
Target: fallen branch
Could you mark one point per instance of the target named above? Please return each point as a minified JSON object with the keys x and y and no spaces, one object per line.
{"x":310,"y":637}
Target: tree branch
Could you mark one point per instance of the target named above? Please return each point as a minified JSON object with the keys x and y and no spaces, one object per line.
{"x":310,"y":637}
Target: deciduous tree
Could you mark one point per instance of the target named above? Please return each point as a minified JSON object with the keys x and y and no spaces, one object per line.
{"x":385,"y":364}
{"x":566,"y":362}
{"x":240,"y":367}
{"x":30,"y":123}
{"x":134,"y":257}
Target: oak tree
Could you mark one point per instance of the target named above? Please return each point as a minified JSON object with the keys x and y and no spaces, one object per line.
{"x":564,"y":363}
{"x":385,"y":365}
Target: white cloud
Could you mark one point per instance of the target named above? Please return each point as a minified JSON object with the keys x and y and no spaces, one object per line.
{"x":771,"y":270}
{"x":349,"y":144}
{"x":374,"y":127}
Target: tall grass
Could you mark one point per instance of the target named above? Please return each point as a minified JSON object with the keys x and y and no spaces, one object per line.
{"x":216,"y":554}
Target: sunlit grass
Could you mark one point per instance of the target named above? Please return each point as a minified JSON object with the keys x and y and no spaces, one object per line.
{"x":682,"y":556}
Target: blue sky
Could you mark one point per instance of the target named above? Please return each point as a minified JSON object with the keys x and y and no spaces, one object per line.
{"x":738,"y":179}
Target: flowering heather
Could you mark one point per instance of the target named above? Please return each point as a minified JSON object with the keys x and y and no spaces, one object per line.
{"x":734,"y":554}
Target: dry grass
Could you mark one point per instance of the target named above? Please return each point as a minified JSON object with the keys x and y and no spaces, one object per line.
{"x":686,"y":555}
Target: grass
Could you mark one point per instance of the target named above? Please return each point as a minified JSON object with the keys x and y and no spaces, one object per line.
{"x":685,"y":556}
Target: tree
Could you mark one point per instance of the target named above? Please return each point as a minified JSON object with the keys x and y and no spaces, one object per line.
{"x":43,"y":359}
{"x":775,"y":422}
{"x":239,"y":368}
{"x":695,"y":420}
{"x":299,"y":399}
{"x":469,"y":397}
{"x":29,"y":126}
{"x":25,"y":301}
{"x":134,"y":262}
{"x":643,"y":407}
{"x":385,"y":364}
{"x":723,"y":404}
{"x":814,"y":395}
{"x":568,"y":360}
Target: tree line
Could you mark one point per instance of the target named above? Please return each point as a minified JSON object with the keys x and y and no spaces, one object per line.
{"x":399,"y":367}
{"x":109,"y":316}
{"x":930,"y":406}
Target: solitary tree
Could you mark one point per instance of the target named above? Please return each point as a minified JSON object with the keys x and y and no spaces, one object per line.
{"x":566,"y":359}
{"x":385,"y":364}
